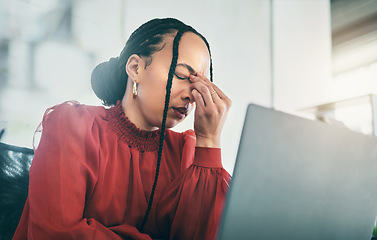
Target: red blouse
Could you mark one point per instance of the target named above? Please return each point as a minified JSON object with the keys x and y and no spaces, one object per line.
{"x":93,"y":172}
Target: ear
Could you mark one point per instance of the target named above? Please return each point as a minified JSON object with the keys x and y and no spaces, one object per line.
{"x":134,"y":66}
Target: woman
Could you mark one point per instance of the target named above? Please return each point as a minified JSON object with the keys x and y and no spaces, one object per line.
{"x":95,"y":171}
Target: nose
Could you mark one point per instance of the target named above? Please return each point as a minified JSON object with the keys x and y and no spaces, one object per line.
{"x":186,"y":94}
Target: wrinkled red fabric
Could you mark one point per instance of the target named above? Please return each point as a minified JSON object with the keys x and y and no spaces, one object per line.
{"x":93,"y":172}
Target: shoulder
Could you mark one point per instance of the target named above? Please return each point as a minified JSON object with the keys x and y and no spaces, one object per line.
{"x":72,"y":119}
{"x":72,"y":112}
{"x":74,"y":108}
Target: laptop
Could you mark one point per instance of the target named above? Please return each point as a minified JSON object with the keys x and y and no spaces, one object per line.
{"x":296,"y":178}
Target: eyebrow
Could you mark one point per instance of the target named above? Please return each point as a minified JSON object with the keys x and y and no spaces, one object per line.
{"x":187,"y":66}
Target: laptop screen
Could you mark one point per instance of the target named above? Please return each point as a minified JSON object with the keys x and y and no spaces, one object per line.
{"x":296,"y":178}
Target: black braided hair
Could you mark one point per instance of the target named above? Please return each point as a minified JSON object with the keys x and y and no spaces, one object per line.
{"x":109,"y":79}
{"x":163,"y":125}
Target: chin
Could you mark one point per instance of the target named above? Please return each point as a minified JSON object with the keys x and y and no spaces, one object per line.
{"x":170,"y":123}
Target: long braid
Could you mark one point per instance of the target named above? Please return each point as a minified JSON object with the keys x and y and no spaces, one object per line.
{"x":163,"y":125}
{"x":210,"y":57}
{"x":210,"y":67}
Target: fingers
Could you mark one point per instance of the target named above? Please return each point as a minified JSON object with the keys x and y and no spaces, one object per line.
{"x":216,"y":95}
{"x":212,"y":87}
{"x":204,"y":91}
{"x":198,"y":99}
{"x":204,"y":88}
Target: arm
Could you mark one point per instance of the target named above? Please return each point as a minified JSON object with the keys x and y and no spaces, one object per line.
{"x":191,"y":207}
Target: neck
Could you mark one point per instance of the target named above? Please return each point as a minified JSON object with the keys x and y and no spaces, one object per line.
{"x":132,"y":111}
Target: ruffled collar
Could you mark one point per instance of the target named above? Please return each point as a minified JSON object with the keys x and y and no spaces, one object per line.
{"x":144,"y":141}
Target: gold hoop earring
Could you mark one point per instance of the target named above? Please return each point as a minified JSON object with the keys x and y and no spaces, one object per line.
{"x":134,"y":89}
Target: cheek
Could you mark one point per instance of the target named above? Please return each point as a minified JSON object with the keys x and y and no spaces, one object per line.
{"x":154,"y":83}
{"x":173,"y":90}
{"x":152,"y":94}
{"x":153,"y":100}
{"x":156,"y":79}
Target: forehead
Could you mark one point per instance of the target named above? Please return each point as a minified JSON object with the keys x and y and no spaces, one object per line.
{"x":192,"y":51}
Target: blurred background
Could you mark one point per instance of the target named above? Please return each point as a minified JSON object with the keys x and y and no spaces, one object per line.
{"x":301,"y":56}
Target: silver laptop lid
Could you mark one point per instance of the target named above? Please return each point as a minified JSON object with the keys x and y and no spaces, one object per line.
{"x":296,"y":178}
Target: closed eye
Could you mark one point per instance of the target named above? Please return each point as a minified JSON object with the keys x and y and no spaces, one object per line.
{"x":182,"y":78}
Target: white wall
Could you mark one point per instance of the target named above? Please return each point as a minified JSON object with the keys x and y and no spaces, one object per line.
{"x":302,"y":53}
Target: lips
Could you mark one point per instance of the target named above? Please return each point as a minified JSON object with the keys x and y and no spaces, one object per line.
{"x":181,"y":112}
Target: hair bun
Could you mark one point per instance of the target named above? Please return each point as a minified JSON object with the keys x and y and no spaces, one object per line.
{"x":109,"y":81}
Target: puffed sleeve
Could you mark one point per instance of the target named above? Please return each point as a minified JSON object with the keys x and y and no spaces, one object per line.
{"x":63,"y":176}
{"x":192,"y":205}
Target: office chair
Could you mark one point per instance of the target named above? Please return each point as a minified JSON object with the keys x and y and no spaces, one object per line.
{"x":15,"y":163}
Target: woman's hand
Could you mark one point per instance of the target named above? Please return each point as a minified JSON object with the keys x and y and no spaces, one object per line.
{"x":212,"y":107}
